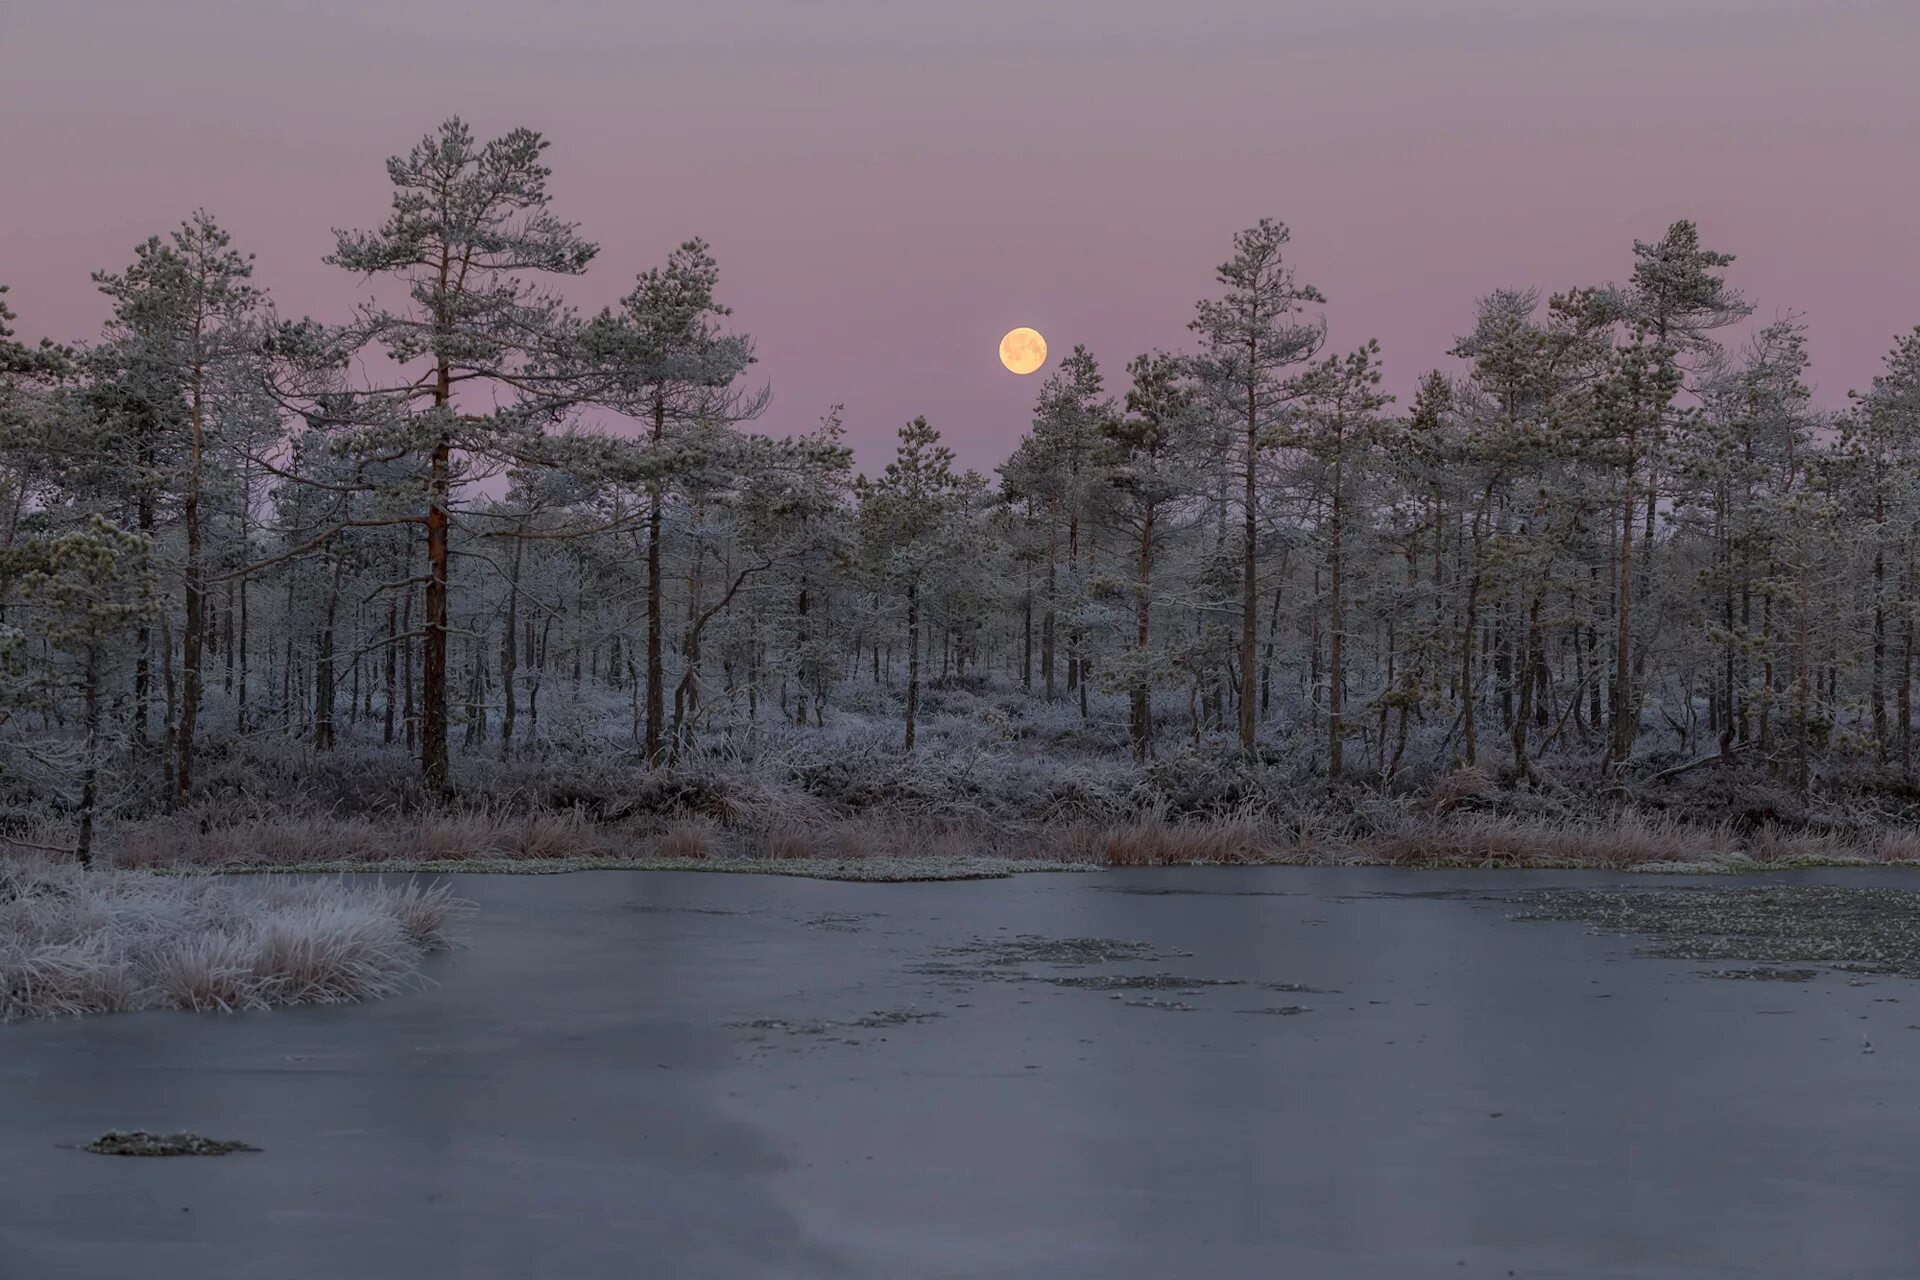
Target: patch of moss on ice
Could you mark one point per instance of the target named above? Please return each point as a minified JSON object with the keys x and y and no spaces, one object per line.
{"x":138,"y":1142}
{"x":1865,"y":929}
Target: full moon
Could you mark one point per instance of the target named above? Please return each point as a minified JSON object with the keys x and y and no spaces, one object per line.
{"x":1023,"y":350}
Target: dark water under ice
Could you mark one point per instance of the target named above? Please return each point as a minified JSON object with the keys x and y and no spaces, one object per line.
{"x":1183,"y":1073}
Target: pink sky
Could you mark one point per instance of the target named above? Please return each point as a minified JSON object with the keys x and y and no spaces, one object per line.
{"x":891,"y":184}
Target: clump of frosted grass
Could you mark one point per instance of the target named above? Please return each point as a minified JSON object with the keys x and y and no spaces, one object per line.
{"x":74,"y":941}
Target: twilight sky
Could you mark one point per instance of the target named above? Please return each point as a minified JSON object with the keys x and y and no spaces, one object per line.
{"x":891,"y":184}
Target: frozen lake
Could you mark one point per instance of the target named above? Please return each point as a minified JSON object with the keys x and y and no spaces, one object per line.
{"x":1343,"y":1073}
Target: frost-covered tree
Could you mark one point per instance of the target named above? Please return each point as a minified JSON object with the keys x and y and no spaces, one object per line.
{"x":1340,"y":404}
{"x":903,"y":515}
{"x":794,"y":513}
{"x":30,"y":450}
{"x":1250,"y":337}
{"x":470,"y":224}
{"x":1881,"y":438}
{"x":1057,"y":468}
{"x":664,"y":358}
{"x":85,"y":586}
{"x":1144,"y":456}
{"x":184,"y":316}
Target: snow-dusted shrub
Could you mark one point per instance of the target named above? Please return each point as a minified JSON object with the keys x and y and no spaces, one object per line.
{"x":1459,"y":788}
{"x":1207,"y":781}
{"x":867,"y":699}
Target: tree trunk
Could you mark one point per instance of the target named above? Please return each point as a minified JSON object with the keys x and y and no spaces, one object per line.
{"x":323,"y":672}
{"x":1878,"y":694}
{"x":434,"y":768}
{"x":1142,"y":717}
{"x":1625,"y":714}
{"x":1802,"y":700}
{"x":802,"y":639}
{"x":1250,"y":568}
{"x":1336,"y":640}
{"x":90,"y":765}
{"x":1906,"y":668}
{"x":392,"y":663}
{"x":913,"y":660}
{"x":193,"y":633}
{"x":166,"y":673}
{"x":1530,"y":659}
{"x":409,"y":718}
{"x":143,"y":641}
{"x":656,"y":681}
{"x":1026,"y":619}
{"x":227,"y":639}
{"x":509,"y":647}
{"x":539,"y":677}
{"x":1766,"y":674}
{"x":241,"y":676}
{"x":1047,"y":631}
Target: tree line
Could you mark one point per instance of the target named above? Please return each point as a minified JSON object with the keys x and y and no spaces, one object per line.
{"x":1615,"y":535}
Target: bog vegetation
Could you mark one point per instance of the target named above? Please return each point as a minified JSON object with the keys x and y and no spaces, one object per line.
{"x":77,"y":943}
{"x":472,"y":556}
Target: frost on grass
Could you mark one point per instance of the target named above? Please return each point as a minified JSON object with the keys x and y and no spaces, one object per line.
{"x":75,"y":942}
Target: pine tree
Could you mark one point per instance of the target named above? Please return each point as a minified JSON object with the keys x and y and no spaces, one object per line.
{"x":1251,"y":336}
{"x":1067,"y":421}
{"x":185,"y":318}
{"x":1882,"y":436}
{"x":1144,"y":460}
{"x":1340,"y":401}
{"x":664,"y":358}
{"x":86,"y":584}
{"x":470,"y":221}
{"x":903,"y":513}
